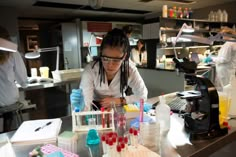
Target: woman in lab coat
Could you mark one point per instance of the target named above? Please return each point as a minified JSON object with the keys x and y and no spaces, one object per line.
{"x":139,"y":54}
{"x":226,"y":60}
{"x":12,"y":68}
{"x":106,"y":80}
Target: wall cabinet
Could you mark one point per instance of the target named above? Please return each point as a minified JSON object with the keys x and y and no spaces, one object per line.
{"x":151,"y":30}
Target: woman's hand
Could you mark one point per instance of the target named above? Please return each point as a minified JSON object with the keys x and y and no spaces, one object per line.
{"x":109,"y":101}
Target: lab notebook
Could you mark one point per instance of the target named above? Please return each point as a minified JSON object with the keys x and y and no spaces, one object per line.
{"x":37,"y":132}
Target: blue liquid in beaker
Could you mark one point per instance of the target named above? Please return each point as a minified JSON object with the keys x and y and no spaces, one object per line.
{"x":92,"y":137}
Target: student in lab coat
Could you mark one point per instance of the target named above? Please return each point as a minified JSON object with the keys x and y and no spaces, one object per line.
{"x":226,"y":60}
{"x":12,"y":68}
{"x":139,"y":53}
{"x":128,"y":30}
{"x":105,"y":80}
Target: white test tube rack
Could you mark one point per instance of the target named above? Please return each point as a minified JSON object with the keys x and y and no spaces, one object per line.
{"x":77,"y":118}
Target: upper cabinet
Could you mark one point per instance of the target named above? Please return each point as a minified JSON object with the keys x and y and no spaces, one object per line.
{"x":94,"y":31}
{"x":151,"y":30}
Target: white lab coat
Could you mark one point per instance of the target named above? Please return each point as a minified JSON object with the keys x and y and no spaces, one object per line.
{"x":225,"y":63}
{"x":135,"y":56}
{"x":92,"y":90}
{"x":12,"y":70}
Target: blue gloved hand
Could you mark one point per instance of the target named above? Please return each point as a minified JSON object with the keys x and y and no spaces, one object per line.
{"x":146,"y":106}
{"x":208,"y":59}
{"x":77,"y":99}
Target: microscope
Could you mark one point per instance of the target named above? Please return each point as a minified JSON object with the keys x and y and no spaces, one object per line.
{"x":201,"y":119}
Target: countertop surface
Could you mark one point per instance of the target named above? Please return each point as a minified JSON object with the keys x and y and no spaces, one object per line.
{"x":174,"y":143}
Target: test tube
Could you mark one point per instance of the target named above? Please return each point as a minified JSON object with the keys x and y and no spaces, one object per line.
{"x":118,"y":149}
{"x":122,"y":149}
{"x":135,"y":138}
{"x":141,"y":110}
{"x":126,"y":143}
{"x":103,"y":117}
{"x":131,"y":136}
{"x":104,"y":146}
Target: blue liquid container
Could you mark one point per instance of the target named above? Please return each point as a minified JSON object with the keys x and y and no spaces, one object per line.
{"x":92,"y":137}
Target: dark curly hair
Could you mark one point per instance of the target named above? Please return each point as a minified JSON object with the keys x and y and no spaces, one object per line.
{"x":116,"y":38}
{"x":143,"y":43}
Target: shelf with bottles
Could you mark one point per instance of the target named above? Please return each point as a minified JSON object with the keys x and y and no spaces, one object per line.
{"x":193,"y":20}
{"x":169,"y":25}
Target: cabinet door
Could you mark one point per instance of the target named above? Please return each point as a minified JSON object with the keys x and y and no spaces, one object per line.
{"x":146,"y":31}
{"x":151,"y":31}
{"x":154,"y":30}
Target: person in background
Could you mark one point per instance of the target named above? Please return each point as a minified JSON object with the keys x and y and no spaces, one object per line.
{"x":105,"y":81}
{"x":139,"y":53}
{"x":12,"y":68}
{"x":128,"y":30}
{"x":226,"y":60}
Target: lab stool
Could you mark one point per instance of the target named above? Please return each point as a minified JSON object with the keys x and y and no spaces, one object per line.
{"x":8,"y":113}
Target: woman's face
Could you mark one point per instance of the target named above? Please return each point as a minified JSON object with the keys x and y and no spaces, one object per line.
{"x":140,"y":45}
{"x":112,"y":59}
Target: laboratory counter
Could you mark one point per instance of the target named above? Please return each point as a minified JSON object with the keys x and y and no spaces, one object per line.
{"x":47,"y":84}
{"x":49,"y":99}
{"x":174,"y":143}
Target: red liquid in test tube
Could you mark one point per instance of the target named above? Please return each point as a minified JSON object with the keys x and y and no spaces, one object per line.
{"x":141,"y":110}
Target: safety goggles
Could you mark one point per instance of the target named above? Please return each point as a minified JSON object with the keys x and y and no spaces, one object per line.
{"x":112,"y":59}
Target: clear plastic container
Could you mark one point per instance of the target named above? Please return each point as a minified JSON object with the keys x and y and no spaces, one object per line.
{"x":150,"y":135}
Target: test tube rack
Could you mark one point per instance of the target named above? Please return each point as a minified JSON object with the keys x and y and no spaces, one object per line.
{"x":79,"y":126}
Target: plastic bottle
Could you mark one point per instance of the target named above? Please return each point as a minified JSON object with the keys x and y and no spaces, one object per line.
{"x":220,"y":15}
{"x":164,"y":11}
{"x":190,"y":13}
{"x":211,"y":16}
{"x":225,"y":16}
{"x":180,"y":13}
{"x":174,"y":12}
{"x":163,"y":114}
{"x":186,"y":15}
{"x":171,"y":13}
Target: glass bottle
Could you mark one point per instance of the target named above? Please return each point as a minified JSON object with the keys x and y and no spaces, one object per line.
{"x":190,"y":13}
{"x":174,"y":12}
{"x":186,"y":15}
{"x":164,"y":11}
{"x":179,"y":13}
{"x":171,"y":13}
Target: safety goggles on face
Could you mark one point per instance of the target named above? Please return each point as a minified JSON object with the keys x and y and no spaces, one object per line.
{"x":112,"y":59}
